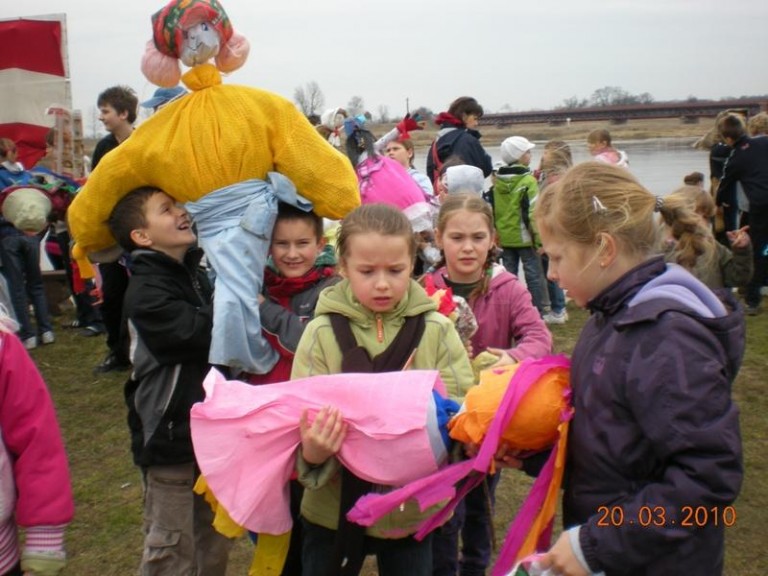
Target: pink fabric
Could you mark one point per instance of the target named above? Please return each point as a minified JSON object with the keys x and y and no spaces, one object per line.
{"x":245,"y":437}
{"x":443,"y":484}
{"x":385,"y":180}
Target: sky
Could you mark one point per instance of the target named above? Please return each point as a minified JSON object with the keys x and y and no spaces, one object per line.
{"x":509,"y":55}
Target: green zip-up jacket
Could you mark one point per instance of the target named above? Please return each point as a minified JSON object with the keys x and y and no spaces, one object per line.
{"x":319,"y":353}
{"x":514,"y":198}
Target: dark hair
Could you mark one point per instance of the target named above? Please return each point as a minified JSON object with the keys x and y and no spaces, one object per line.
{"x":465,"y":105}
{"x":6,"y":145}
{"x":450,"y":162}
{"x":122,"y":99}
{"x":381,"y":219}
{"x":693,"y":178}
{"x":290,"y":212}
{"x":361,"y":140}
{"x":731,"y":126}
{"x":129,"y":214}
{"x":599,"y":135}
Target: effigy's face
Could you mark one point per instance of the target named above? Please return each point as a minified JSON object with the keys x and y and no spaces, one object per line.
{"x":201,"y":43}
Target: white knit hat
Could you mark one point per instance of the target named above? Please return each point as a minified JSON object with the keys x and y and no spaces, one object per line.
{"x":464,"y":178}
{"x":27,"y":209}
{"x":513,"y":148}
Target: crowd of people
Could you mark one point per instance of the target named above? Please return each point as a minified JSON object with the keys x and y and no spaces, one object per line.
{"x":654,"y":426}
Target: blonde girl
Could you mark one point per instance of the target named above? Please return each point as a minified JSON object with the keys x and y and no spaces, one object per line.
{"x":509,"y":326}
{"x":687,"y":213}
{"x":654,"y":430}
{"x":383,"y":307}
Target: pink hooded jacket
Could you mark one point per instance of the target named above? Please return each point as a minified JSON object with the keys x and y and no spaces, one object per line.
{"x":35,"y":490}
{"x":506,"y":317}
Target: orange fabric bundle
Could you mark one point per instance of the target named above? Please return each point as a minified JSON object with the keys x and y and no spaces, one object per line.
{"x":534,"y":426}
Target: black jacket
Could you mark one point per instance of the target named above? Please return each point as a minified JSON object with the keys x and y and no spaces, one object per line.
{"x":748,"y":164}
{"x":170,"y":315}
{"x":460,"y":142}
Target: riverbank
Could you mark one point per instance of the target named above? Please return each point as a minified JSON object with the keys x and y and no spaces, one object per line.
{"x":576,"y":131}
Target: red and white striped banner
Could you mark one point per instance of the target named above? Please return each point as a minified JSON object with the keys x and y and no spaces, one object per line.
{"x":34,"y":75}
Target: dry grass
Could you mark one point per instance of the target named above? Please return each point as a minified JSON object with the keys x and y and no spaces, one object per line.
{"x":105,"y":537}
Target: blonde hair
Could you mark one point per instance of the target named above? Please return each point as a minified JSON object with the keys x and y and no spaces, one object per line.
{"x":758,"y":124}
{"x":474,"y":204}
{"x":380,"y":219}
{"x":594,"y":198}
{"x":686,"y":211}
{"x":557,"y":157}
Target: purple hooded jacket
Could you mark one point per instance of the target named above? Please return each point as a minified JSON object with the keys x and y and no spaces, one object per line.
{"x":654,"y":424}
{"x":506,"y":317}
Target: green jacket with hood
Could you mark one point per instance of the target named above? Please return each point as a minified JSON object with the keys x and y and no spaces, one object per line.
{"x":319,"y":353}
{"x":514,"y":198}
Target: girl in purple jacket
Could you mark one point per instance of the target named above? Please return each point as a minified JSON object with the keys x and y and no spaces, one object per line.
{"x":654,"y":457}
{"x":509,"y":326}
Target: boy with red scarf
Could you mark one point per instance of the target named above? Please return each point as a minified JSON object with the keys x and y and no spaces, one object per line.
{"x":298,"y":270}
{"x":300,"y":267}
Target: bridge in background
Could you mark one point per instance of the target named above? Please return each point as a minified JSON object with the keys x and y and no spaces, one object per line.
{"x":689,"y":112}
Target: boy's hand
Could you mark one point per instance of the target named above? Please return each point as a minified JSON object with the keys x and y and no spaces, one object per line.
{"x":323,"y":437}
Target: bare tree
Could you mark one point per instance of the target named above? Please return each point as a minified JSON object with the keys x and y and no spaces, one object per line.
{"x":309,"y":98}
{"x":383,"y":114}
{"x":356,"y":106}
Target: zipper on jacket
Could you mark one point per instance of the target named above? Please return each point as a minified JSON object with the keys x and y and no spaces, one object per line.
{"x":170,"y":430}
{"x":379,"y":328}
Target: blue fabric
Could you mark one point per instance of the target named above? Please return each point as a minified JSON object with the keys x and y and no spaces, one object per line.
{"x":234,"y":226}
{"x":511,"y":257}
{"x":556,"y":294}
{"x":446,"y":409}
{"x":21,"y":266}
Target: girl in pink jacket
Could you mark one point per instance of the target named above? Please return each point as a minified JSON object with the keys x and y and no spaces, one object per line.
{"x":35,"y":490}
{"x":509,"y":326}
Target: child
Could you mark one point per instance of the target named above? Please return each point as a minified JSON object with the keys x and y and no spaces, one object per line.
{"x":458,"y":136}
{"x":117,"y":111}
{"x":376,"y":311}
{"x":599,"y":146}
{"x":508,"y":326}
{"x":300,"y":269}
{"x":35,"y":490}
{"x":514,"y":197}
{"x":169,"y":313}
{"x":687,"y":212}
{"x":556,"y":159}
{"x":654,"y":433}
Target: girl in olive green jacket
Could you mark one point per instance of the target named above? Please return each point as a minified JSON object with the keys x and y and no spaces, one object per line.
{"x":376,"y":300}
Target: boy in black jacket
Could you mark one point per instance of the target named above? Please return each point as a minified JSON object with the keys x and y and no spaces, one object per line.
{"x":170,"y":315}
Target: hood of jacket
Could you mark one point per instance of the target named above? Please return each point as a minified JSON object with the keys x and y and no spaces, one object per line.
{"x":653,"y":288}
{"x":339,"y":299}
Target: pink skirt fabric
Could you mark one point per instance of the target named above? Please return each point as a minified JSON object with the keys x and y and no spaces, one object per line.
{"x":245,"y":437}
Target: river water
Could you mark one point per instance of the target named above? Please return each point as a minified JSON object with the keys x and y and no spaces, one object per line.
{"x":659,"y":164}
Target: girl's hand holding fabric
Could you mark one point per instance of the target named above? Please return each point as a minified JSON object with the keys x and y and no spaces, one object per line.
{"x":323,"y":437}
{"x":504,"y":358}
{"x":561,"y":560}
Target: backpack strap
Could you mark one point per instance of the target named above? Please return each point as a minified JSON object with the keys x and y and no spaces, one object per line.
{"x":348,"y":555}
